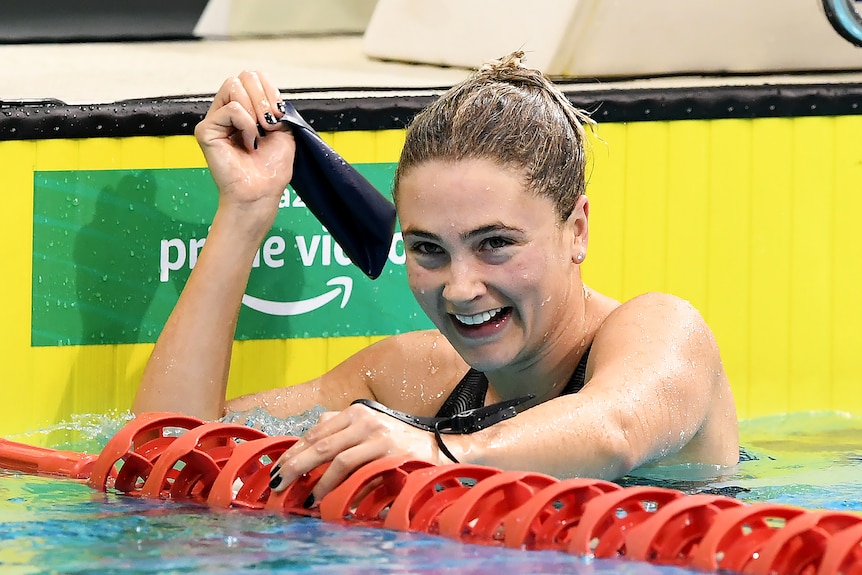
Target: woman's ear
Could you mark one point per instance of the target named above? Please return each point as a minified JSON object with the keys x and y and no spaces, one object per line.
{"x":578,"y":223}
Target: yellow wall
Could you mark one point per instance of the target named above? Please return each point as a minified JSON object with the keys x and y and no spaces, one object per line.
{"x":753,"y":221}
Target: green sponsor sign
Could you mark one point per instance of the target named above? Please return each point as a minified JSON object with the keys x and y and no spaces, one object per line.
{"x":112,"y":249}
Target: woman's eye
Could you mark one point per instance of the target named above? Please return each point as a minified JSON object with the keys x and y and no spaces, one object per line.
{"x":426,"y":248}
{"x":496,"y":243}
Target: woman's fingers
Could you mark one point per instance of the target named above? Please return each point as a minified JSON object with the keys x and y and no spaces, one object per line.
{"x":225,"y":123}
{"x":345,"y":463}
{"x":273,"y":97}
{"x":317,"y":446}
{"x":263,"y":96}
{"x":348,"y":439}
{"x":232,"y":90}
{"x":248,"y":105}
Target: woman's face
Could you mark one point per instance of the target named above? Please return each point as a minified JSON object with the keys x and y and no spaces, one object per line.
{"x":489,"y":262}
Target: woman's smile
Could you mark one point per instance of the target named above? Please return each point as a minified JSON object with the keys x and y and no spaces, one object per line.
{"x":482,"y":325}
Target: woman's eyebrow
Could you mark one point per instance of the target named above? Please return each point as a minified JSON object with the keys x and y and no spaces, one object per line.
{"x":480,"y":231}
{"x":490,"y":229}
{"x":419,"y":234}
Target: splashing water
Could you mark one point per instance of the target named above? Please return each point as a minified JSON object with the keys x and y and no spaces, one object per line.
{"x":262,"y":420}
{"x":86,"y":432}
{"x":90,"y":432}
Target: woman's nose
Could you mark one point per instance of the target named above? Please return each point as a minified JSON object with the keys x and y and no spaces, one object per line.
{"x":463,"y":282}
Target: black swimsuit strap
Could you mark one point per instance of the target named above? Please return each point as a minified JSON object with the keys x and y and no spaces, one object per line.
{"x":468,"y":394}
{"x":470,"y":391}
{"x":579,"y":376}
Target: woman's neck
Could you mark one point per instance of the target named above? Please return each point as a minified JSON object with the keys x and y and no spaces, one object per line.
{"x":547,"y":372}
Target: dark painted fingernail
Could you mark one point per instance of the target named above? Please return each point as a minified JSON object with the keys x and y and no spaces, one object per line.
{"x":270,"y":119}
{"x":261,"y":131}
{"x":274,"y":470}
{"x":275,"y":482}
{"x":309,"y":501}
{"x":255,"y":143}
{"x":281,"y":107}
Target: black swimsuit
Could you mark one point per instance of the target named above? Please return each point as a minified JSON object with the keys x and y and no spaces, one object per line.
{"x":470,"y":391}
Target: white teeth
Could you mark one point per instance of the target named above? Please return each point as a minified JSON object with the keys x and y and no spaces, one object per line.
{"x":479,"y":317}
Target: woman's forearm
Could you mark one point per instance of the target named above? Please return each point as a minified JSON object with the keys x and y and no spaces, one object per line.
{"x":250,"y":156}
{"x":552,"y":441}
{"x":189,"y":366}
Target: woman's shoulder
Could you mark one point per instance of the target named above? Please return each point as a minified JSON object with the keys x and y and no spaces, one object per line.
{"x":653,"y":306}
{"x":656,"y":319}
{"x":421,"y":362}
{"x":413,"y":347}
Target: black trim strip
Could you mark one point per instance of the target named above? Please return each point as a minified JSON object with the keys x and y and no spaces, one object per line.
{"x":720,"y":102}
{"x":178,"y":115}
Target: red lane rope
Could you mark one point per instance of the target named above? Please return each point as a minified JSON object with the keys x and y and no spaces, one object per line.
{"x":428,"y":492}
{"x":370,"y":492}
{"x":547,"y":519}
{"x":672,"y":534}
{"x":170,"y":456}
{"x":31,"y":459}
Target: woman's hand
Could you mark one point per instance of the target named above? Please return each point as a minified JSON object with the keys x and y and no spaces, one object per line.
{"x":350,"y":439}
{"x":249,"y":152}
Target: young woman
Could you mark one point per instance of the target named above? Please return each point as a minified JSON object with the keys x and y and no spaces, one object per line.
{"x":490,"y":196}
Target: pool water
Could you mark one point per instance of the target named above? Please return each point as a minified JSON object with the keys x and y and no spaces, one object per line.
{"x":62,"y":526}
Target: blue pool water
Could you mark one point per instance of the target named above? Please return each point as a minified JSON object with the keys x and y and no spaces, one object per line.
{"x":62,"y":526}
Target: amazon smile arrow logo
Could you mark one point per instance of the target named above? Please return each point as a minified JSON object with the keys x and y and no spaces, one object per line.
{"x":285,"y":308}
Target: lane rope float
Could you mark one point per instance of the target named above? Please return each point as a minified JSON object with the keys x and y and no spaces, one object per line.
{"x":172,"y":456}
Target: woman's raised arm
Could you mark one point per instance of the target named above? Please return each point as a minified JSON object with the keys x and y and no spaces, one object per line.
{"x":250,"y":156}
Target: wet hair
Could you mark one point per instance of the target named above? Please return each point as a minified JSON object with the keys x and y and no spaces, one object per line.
{"x":513,"y":116}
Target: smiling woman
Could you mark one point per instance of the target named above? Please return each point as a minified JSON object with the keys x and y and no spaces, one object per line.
{"x":490,"y":191}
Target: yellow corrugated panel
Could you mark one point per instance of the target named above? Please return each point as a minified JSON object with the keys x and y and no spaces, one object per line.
{"x":130,"y":360}
{"x":606,"y":187}
{"x":59,"y":155}
{"x":754,"y":221}
{"x":16,"y":232}
{"x":94,"y":154}
{"x":182,"y":152}
{"x":811,"y":215}
{"x":688,"y":161}
{"x":389,"y":144}
{"x":645,"y":232}
{"x":846,"y":260}
{"x":769,"y":278}
{"x":142,"y":152}
{"x":365,"y":148}
{"x":728,"y":298}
